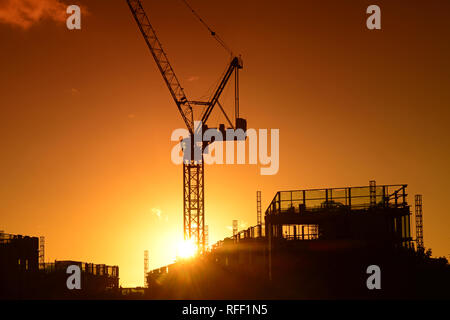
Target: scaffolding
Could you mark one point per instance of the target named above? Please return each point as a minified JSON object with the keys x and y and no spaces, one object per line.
{"x":41,"y":252}
{"x":373,"y":192}
{"x":145,"y":268}
{"x":235,"y":227}
{"x":419,"y":222}
{"x":258,"y":208}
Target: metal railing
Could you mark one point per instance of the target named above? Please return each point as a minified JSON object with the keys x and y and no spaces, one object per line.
{"x":91,"y":268}
{"x":335,"y":198}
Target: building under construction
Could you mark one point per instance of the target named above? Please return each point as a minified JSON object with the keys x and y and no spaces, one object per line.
{"x":24,"y":274}
{"x":315,"y":243}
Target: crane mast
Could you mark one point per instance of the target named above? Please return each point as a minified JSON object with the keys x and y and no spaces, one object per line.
{"x":193,"y":169}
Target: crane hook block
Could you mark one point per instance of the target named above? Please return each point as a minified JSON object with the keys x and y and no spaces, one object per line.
{"x":241,"y":124}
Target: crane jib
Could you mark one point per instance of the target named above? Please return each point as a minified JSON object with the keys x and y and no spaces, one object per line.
{"x":176,"y":90}
{"x":164,"y":66}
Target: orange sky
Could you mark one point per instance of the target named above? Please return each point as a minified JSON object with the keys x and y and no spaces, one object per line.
{"x":86,"y":117}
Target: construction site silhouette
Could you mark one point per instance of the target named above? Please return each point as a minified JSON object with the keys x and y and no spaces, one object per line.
{"x":313,"y":244}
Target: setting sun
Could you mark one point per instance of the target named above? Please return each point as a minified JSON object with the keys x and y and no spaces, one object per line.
{"x":186,"y":249}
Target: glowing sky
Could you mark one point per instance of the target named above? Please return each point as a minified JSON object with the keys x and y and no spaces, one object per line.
{"x":86,"y":117}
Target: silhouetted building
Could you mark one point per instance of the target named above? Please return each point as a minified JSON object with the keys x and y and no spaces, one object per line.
{"x":97,"y":280}
{"x":315,"y":244}
{"x":21,"y":275}
{"x":18,"y":264}
{"x":359,"y":216}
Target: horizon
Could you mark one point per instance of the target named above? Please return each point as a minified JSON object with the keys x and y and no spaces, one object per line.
{"x":87,"y":118}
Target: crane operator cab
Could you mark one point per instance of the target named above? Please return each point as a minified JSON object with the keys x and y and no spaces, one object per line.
{"x":239,"y":132}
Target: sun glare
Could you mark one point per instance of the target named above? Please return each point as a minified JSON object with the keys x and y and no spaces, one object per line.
{"x":186,"y":249}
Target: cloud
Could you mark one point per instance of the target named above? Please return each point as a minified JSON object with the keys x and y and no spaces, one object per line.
{"x":193,"y":78}
{"x":157,"y":212}
{"x":25,"y":13}
{"x":160,"y":215}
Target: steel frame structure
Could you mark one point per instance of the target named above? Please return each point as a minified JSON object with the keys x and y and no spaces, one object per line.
{"x":145,"y":268}
{"x":194,"y":203}
{"x":419,"y":222}
{"x":258,"y":208}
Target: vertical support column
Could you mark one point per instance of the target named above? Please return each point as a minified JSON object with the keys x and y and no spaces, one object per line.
{"x":373,"y":192}
{"x":404,"y":204}
{"x":258,"y":208}
{"x":419,"y":222}
{"x":269,"y":236}
{"x":193,"y":204}
{"x":235,"y":227}
{"x":349,"y":192}
{"x":145,"y":268}
{"x":41,"y":252}
{"x":236,"y":93}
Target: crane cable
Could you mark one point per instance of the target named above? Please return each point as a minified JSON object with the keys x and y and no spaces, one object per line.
{"x":213,"y":33}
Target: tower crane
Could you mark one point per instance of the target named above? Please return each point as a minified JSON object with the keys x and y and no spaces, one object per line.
{"x":193,"y":168}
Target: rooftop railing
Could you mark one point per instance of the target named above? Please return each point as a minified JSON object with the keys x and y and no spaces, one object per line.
{"x":349,"y":197}
{"x":91,"y":268}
